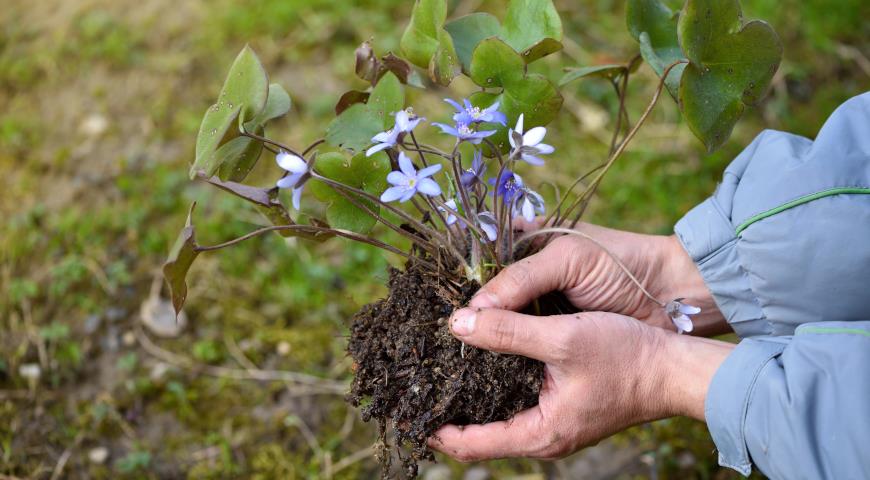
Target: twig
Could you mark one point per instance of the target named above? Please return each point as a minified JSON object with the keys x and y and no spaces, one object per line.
{"x":353,"y":458}
{"x":64,"y":457}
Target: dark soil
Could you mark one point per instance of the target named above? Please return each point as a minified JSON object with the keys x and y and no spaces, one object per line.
{"x":412,"y":376}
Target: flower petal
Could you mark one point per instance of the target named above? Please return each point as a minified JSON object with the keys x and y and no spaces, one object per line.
{"x":397,"y":178}
{"x":429,"y":171}
{"x":498,"y":117}
{"x":545,"y":149}
{"x":297,"y":196}
{"x":388,"y":136}
{"x":528,"y":210}
{"x":286,"y":182}
{"x":519,"y":127}
{"x":683,"y":324}
{"x":531,"y":159}
{"x":534,"y":136}
{"x":428,"y":186}
{"x":291,"y":162}
{"x":689,"y":309}
{"x":455,"y":104}
{"x":377,"y":148}
{"x":394,"y":193}
{"x":448,"y":129}
{"x":408,"y":194}
{"x":406,"y":165}
{"x":401,"y":121}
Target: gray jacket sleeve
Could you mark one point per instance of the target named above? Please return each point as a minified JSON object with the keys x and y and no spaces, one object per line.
{"x":784,"y":246}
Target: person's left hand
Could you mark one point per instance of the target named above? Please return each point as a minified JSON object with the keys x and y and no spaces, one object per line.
{"x":604,"y":373}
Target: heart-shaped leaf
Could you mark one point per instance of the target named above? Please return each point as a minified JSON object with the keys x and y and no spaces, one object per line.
{"x":243,"y":95}
{"x":356,"y":126}
{"x":610,"y":71}
{"x":181,"y":257}
{"x":654,"y":26}
{"x":495,"y":64}
{"x":366,"y":173}
{"x":533,"y":28}
{"x":445,"y":63}
{"x":468,"y":32}
{"x":732,"y":64}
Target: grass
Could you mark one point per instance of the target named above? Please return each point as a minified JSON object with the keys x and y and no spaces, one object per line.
{"x":99,"y":105}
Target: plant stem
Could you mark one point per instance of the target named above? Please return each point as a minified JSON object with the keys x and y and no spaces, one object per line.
{"x":621,"y":148}
{"x":271,"y":142}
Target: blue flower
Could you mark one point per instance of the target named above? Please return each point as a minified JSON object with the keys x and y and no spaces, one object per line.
{"x":297,"y":174}
{"x":469,"y":114}
{"x":405,"y":122}
{"x":464,"y":132}
{"x":527,"y":146}
{"x":489,"y":225}
{"x":407,"y":181}
{"x":474,"y":174}
{"x":679,"y":313}
{"x":509,"y":186}
{"x":448,"y":212}
{"x":528,"y":204}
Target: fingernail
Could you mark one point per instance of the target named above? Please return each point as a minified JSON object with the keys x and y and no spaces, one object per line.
{"x":463,"y":322}
{"x":484,"y":300}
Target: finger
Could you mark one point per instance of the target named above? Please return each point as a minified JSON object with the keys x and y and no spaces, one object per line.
{"x":521,"y":436}
{"x":523,"y":281}
{"x":541,"y":338}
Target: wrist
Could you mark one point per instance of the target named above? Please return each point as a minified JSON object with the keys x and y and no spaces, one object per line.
{"x":685,"y":367}
{"x":681,"y":278}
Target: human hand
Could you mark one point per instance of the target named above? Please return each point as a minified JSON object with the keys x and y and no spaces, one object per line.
{"x":604,"y":373}
{"x":591,"y":280}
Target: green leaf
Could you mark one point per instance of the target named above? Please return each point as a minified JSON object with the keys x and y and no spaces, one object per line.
{"x":386,"y":98}
{"x":445,"y":63}
{"x":541,"y":49}
{"x":214,"y":130}
{"x":366,"y":173}
{"x":495,"y":64}
{"x":181,"y":257}
{"x":528,"y":23}
{"x":468,"y":31}
{"x":277,"y":105}
{"x":356,"y":125}
{"x":243,"y":95}
{"x":238,"y":157}
{"x":604,"y":71}
{"x":732,"y":64}
{"x":420,"y":39}
{"x":654,"y":26}
{"x":354,"y":128}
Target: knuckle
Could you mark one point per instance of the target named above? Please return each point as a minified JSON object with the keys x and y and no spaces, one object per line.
{"x":504,"y":333}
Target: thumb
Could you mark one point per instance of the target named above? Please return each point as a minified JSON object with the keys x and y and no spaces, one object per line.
{"x":521,"y":282}
{"x":504,"y":331}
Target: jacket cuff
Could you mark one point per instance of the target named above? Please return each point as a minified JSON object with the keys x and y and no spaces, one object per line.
{"x":709,"y":237}
{"x":728,"y":397}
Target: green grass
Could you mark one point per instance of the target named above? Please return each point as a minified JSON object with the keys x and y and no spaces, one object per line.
{"x":90,"y":212}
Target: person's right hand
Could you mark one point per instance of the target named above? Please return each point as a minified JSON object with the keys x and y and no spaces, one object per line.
{"x":592,"y":280}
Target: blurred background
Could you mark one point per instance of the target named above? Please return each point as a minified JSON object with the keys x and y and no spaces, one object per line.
{"x":100,"y":102}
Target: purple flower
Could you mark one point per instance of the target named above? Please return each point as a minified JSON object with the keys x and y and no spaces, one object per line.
{"x":297,"y":174}
{"x":469,"y":114}
{"x":489,"y":225}
{"x":509,"y":186}
{"x":405,"y":122}
{"x":679,"y":313}
{"x":527,"y":146}
{"x":528,"y":204}
{"x":407,"y":181}
{"x":448,"y":212}
{"x":464,"y":132}
{"x":474,"y":174}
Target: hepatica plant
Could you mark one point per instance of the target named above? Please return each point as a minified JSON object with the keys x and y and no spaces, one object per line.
{"x":453,"y":190}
